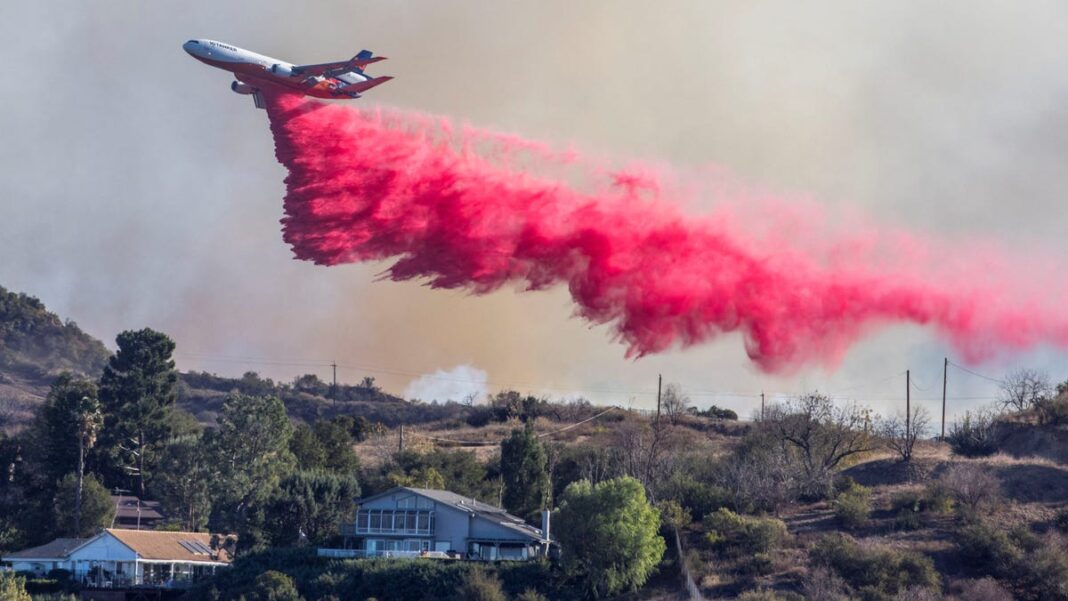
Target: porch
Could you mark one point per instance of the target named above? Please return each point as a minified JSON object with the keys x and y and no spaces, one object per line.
{"x":142,"y":573}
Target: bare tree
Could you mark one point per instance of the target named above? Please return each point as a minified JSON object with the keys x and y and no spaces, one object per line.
{"x":1024,"y":389}
{"x":900,"y":436}
{"x":821,"y":435}
{"x":974,"y":488}
{"x":760,"y":481}
{"x":674,"y":403}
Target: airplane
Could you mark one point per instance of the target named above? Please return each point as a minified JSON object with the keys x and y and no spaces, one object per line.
{"x":343,"y":79}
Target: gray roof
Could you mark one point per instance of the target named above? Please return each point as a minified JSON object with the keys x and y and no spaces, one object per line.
{"x":57,"y":549}
{"x":467,"y":504}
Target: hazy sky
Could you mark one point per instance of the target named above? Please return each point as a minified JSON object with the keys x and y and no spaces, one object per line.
{"x":137,"y":190}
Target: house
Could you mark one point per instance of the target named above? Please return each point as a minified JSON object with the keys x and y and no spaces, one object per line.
{"x":119,"y":558}
{"x":41,"y":560}
{"x":411,"y":522}
{"x":131,"y":513}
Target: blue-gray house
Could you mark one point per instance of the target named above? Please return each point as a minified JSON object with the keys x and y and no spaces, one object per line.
{"x":413,"y":522}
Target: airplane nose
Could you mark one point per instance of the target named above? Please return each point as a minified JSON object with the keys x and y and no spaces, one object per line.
{"x":191,"y":47}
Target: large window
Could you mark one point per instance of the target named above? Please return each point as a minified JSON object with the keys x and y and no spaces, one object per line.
{"x":390,"y":521}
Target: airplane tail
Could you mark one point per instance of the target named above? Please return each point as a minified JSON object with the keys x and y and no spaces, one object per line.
{"x":364,"y":58}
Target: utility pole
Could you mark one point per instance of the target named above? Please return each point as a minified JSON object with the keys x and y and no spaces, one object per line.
{"x":908,"y":405}
{"x":333,"y":389}
{"x":761,"y":405}
{"x":659,"y":381}
{"x":945,"y":378}
{"x":400,"y":440}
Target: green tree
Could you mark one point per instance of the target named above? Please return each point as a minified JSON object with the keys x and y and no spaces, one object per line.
{"x":97,"y":510}
{"x":66,"y":428}
{"x":250,"y":453}
{"x":137,"y":390}
{"x":183,"y":482}
{"x":13,"y":587}
{"x":274,"y":586}
{"x":310,"y":503}
{"x":480,"y":586}
{"x":608,"y":535}
{"x":306,"y":448}
{"x":523,"y":467}
{"x":336,"y":442}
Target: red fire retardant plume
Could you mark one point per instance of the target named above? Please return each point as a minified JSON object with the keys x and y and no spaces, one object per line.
{"x":477,"y":211}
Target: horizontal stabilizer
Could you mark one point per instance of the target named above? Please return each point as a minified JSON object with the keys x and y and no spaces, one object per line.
{"x":356,"y":63}
{"x":363,"y":86}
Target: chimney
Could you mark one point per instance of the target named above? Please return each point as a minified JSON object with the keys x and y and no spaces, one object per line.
{"x":545,"y":523}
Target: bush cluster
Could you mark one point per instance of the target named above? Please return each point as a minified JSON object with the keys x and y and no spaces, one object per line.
{"x":735,"y":535}
{"x":1037,"y":567}
{"x":382,"y":579}
{"x":852,"y":506}
{"x":874,"y":572}
{"x":974,"y":435}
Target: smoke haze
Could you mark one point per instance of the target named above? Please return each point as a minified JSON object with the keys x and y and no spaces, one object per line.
{"x":138,"y":191}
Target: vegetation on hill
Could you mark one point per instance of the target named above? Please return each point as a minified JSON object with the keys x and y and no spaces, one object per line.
{"x":36,"y":345}
{"x":816,"y":500}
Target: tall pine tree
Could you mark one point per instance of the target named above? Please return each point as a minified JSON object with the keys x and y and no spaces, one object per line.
{"x":526,"y":477}
{"x":137,"y":391}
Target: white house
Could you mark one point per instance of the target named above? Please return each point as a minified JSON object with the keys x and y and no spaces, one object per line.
{"x":50,"y":556}
{"x":411,"y":522}
{"x":120,"y":558}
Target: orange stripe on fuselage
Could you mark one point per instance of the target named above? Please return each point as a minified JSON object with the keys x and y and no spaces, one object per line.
{"x":250,"y":73}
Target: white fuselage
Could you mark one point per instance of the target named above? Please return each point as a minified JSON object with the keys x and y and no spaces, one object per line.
{"x":253,"y":68}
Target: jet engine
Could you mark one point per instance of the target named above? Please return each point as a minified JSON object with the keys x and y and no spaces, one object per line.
{"x":242,"y":88}
{"x":282,"y":70}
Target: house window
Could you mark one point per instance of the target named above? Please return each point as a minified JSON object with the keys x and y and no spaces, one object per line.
{"x":423,"y":522}
{"x":361,"y":520}
{"x":376,"y":521}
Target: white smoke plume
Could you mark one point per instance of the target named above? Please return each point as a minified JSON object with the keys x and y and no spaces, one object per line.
{"x":461,"y":383}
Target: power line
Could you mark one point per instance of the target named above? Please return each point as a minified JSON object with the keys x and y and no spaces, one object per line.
{"x":977,"y":374}
{"x":324,"y":364}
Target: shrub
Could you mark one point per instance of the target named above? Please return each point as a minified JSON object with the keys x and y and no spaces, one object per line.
{"x":987,"y":549}
{"x":919,"y":593}
{"x":13,"y":587}
{"x":1060,"y":521}
{"x":984,"y":589}
{"x":973,"y":435}
{"x":480,"y":586}
{"x":973,"y":488}
{"x":822,"y":584}
{"x":853,"y":505}
{"x":674,"y":515}
{"x":531,"y":595}
{"x":908,"y":519}
{"x":735,"y":535}
{"x":1052,"y":410}
{"x":274,"y":586}
{"x":874,"y":571}
{"x":762,"y":594}
{"x":1043,"y":574}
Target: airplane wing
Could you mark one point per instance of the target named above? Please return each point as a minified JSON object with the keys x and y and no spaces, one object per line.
{"x":355,"y":63}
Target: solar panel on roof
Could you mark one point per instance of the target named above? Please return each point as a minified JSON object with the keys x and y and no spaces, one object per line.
{"x":195,"y":547}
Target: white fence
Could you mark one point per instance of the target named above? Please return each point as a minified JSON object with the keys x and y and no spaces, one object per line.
{"x":691,"y":587}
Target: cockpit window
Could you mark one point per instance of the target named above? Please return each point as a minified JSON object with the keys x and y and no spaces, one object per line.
{"x":193,"y":42}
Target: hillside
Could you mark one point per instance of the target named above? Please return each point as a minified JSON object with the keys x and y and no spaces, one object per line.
{"x":35,"y":346}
